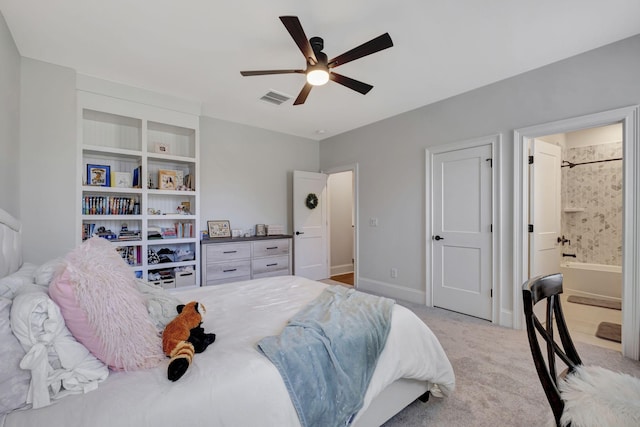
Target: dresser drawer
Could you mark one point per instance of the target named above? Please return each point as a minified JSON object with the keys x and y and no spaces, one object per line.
{"x":261,"y":266}
{"x":229,"y":269}
{"x":227,"y":251}
{"x":270,"y":247}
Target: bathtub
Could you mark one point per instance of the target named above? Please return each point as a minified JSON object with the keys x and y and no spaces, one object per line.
{"x":596,"y":280}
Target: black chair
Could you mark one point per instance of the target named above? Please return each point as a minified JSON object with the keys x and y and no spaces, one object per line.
{"x":535,"y":290}
{"x":582,"y":394}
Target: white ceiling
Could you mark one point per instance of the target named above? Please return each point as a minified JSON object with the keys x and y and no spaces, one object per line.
{"x":195,"y":49}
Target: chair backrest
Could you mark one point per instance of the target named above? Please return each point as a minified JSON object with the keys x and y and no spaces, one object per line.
{"x":536,"y":290}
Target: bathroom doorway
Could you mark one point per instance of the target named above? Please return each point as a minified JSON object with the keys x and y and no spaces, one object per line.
{"x":629,"y":117}
{"x":588,"y":247}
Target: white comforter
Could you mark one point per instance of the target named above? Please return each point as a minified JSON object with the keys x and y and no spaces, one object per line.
{"x":231,"y":383}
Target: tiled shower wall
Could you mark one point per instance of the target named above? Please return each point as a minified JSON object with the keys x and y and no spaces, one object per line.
{"x":596,"y":232}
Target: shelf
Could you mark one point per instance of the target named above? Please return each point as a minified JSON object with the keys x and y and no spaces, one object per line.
{"x":155,"y":192}
{"x":169,"y":158}
{"x":176,"y":241}
{"x":111,"y":152}
{"x":128,"y":137}
{"x":163,"y":265}
{"x":110,"y":190}
{"x":573,"y":210}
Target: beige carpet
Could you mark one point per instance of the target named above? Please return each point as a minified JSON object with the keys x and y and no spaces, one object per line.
{"x":597,"y":302}
{"x":609,"y":331}
{"x":496,"y":382}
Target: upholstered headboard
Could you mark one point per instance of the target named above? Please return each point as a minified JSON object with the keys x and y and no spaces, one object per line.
{"x":10,"y":244}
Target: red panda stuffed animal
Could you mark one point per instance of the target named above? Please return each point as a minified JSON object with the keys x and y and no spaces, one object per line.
{"x":183,"y":337}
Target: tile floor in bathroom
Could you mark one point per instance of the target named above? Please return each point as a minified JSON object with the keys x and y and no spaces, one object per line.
{"x":583,"y":321}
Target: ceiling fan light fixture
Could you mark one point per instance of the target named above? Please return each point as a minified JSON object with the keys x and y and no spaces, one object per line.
{"x":317,"y":77}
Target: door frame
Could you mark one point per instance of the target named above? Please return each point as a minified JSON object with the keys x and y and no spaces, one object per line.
{"x":630,"y":118}
{"x":496,"y":216}
{"x":353,"y":167}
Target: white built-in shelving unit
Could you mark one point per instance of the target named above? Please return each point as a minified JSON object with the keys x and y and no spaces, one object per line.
{"x":125,"y":136}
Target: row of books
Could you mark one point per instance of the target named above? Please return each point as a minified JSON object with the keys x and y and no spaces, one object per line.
{"x":179,"y":230}
{"x":131,"y":254}
{"x":110,"y":205}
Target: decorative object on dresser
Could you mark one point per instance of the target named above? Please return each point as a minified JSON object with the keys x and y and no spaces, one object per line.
{"x":275,"y":230}
{"x":219,"y":228}
{"x":232,"y":260}
{"x":261,"y":230}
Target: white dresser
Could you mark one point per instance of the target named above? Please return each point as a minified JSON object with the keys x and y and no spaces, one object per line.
{"x":234,"y":259}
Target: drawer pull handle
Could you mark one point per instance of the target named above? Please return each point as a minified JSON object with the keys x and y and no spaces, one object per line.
{"x":272,"y":265}
{"x":230,"y":270}
{"x":273,"y":247}
{"x":229,"y":252}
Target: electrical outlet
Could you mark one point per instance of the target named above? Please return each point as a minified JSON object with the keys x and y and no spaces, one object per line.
{"x":394,"y":273}
{"x":373,"y":222}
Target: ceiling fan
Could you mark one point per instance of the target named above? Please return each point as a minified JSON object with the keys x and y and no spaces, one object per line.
{"x":319,"y":69}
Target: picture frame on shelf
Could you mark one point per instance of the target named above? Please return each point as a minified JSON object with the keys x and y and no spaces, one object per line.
{"x":98,"y":175}
{"x":162,"y":148}
{"x":121,"y":179}
{"x":167,"y":179}
{"x":219,"y":228}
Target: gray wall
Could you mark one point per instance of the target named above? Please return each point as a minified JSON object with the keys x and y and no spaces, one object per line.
{"x":391,"y":155}
{"x":9,"y":117}
{"x":247,"y":173}
{"x":48,"y":156}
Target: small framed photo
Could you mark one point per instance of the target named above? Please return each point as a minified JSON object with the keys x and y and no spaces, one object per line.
{"x":162,"y":148}
{"x":99,"y":175}
{"x":167,"y":179}
{"x":219,"y":229}
{"x":121,"y":179}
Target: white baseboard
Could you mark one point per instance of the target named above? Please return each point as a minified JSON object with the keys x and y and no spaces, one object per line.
{"x":391,"y":290}
{"x":341,"y":269}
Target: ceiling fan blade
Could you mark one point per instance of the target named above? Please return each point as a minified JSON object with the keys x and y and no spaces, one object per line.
{"x":265,"y":72}
{"x":356,"y":85}
{"x":302,"y":96}
{"x":292,"y":23}
{"x":372,"y":46}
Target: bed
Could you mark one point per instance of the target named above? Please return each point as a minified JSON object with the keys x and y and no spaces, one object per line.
{"x":232,"y":383}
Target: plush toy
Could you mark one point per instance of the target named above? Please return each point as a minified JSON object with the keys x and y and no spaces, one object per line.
{"x":183,"y":337}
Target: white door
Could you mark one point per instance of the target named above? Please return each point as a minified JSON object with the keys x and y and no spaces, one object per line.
{"x":461,"y":241}
{"x":310,"y":225}
{"x":544,"y":208}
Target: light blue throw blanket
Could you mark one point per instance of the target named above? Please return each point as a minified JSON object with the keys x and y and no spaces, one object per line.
{"x":327,"y":354}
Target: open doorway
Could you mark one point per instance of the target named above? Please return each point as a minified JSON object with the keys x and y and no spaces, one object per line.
{"x":585,"y":232}
{"x":628,"y":117}
{"x":342,"y":221}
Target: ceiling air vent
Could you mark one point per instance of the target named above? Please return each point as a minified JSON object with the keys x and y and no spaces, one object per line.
{"x":275,"y":97}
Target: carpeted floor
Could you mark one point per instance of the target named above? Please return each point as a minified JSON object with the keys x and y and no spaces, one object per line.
{"x":496,"y":382}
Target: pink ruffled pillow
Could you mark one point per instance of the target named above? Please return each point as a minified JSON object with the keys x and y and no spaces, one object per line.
{"x":104,"y":310}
